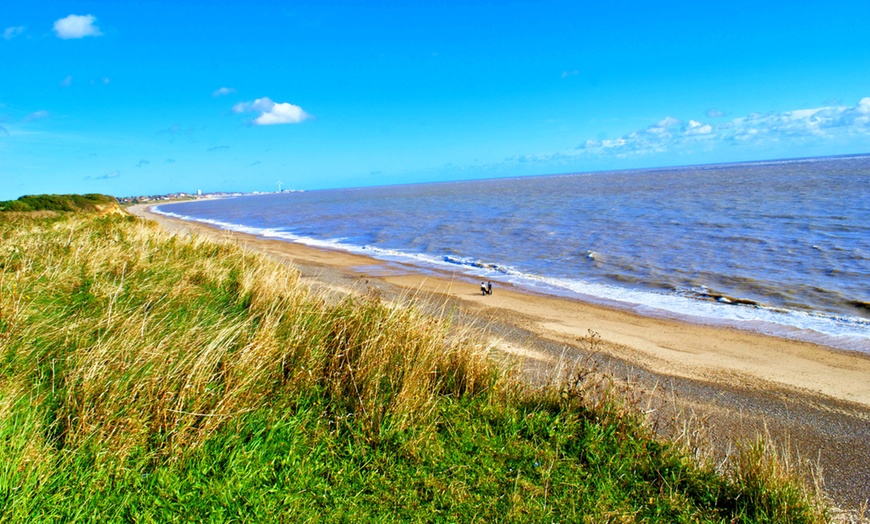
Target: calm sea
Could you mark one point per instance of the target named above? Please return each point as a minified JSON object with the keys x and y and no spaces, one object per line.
{"x":778,"y":247}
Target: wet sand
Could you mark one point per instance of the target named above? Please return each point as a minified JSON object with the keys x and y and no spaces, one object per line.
{"x":723,"y":385}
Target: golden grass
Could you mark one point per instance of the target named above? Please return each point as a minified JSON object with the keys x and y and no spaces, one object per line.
{"x":133,"y":358}
{"x":120,"y":340}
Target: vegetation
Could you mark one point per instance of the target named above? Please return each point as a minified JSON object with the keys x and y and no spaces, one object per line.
{"x":151,"y":377}
{"x":60,"y":203}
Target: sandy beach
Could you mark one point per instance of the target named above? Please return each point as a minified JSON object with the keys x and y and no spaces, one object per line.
{"x":729,"y":385}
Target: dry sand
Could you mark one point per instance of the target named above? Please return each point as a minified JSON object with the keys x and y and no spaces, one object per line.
{"x":727,"y":384}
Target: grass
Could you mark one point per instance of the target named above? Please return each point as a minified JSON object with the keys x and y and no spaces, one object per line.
{"x":59,"y":203}
{"x":155,"y":378}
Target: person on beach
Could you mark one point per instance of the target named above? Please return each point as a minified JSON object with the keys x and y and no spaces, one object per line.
{"x":488,"y":287}
{"x":483,"y":288}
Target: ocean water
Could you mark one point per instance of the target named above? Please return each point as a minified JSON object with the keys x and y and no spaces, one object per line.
{"x":776,"y":247}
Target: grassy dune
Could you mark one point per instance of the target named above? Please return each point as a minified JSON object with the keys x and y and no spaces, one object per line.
{"x":60,"y":203}
{"x":151,"y":377}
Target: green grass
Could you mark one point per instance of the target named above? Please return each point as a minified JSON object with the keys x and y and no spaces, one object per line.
{"x":151,"y":378}
{"x":77,"y":203}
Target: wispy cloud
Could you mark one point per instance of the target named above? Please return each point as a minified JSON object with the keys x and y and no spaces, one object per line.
{"x":217,"y":148}
{"x":76,"y":26}
{"x":38,"y":115}
{"x":223,"y":91}
{"x":11,"y":32}
{"x":142,"y":163}
{"x":715,"y":113}
{"x":66,"y":82}
{"x":272,"y":113}
{"x":573,"y":72}
{"x":175,"y":129}
{"x":672,"y":134}
{"x":108,"y":176}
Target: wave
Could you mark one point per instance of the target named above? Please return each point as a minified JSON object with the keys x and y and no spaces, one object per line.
{"x":702,"y":305}
{"x":860,"y":304}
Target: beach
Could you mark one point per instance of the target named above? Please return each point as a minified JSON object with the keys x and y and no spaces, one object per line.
{"x":728,"y":384}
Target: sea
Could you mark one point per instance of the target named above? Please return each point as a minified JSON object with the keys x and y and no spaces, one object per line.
{"x":777,"y":247}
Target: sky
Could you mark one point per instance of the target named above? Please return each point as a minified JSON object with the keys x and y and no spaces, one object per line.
{"x":151,"y":97}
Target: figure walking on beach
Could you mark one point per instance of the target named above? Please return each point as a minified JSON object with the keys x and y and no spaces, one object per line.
{"x":488,"y":287}
{"x":483,"y":288}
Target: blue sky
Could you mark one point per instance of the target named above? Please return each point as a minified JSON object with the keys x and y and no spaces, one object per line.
{"x":156,"y":96}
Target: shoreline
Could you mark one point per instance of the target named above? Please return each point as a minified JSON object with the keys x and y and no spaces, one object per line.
{"x":828,"y":328}
{"x":813,"y":399}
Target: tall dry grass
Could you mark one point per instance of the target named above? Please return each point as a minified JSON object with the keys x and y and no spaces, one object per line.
{"x":127,"y":337}
{"x":123,"y":345}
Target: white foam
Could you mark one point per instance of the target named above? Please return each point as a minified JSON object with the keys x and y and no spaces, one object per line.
{"x":842,"y":332}
{"x":838,"y":331}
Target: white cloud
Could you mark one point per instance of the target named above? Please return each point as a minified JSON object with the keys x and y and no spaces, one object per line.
{"x":76,"y":26}
{"x":66,"y":82}
{"x":12,"y":32}
{"x":671,"y":134}
{"x":715,"y":113}
{"x":223,"y":91}
{"x":697,"y":128}
{"x":272,"y":112}
{"x":669,"y":121}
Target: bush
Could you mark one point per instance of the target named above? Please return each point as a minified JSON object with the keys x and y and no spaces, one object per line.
{"x":14,"y":205}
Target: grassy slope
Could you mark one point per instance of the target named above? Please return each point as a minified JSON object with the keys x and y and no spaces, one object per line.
{"x":155,"y":378}
{"x":61,"y":203}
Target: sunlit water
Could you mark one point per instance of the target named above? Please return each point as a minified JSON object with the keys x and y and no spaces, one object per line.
{"x":776,"y":247}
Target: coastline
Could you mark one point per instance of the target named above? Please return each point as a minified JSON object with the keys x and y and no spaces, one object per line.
{"x":812,"y":399}
{"x":792,"y":304}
